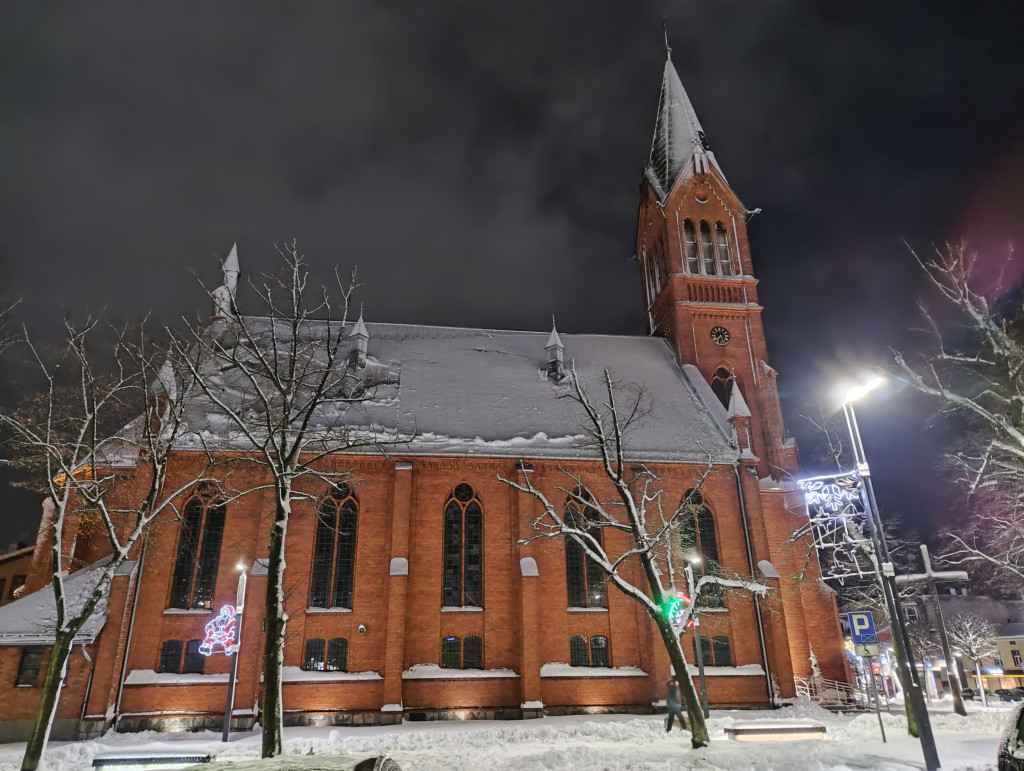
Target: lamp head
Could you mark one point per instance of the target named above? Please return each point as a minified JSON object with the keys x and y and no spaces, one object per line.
{"x":858,"y":392}
{"x":696,"y":559}
{"x":240,"y":566}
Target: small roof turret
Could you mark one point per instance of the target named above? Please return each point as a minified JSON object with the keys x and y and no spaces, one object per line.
{"x":224,"y":295}
{"x":554,"y":341}
{"x":737,"y":404}
{"x":556,"y":354}
{"x":359,"y":329}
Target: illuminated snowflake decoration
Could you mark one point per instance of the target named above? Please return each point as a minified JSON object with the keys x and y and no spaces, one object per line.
{"x":835,"y":512}
{"x":221,"y":631}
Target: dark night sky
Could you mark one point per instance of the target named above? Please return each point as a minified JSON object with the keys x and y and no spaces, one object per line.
{"x":479,"y":162}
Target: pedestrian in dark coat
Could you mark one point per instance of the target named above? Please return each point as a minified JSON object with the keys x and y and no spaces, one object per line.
{"x":675,"y":708}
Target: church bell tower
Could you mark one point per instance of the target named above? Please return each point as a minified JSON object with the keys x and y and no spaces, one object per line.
{"x":699,"y":288}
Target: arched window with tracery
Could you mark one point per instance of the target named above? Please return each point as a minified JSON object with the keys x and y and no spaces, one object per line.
{"x":198,"y":553}
{"x":463,"y":549}
{"x":721,"y":384}
{"x":698,"y":538}
{"x":584,"y":580}
{"x":707,"y":249}
{"x":722,"y":246}
{"x":690,"y":247}
{"x":334,"y":549}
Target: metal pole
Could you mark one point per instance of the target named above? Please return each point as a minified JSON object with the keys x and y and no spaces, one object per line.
{"x":878,"y":707}
{"x":897,"y":623}
{"x":954,"y":678}
{"x":698,"y":646}
{"x":230,"y":707}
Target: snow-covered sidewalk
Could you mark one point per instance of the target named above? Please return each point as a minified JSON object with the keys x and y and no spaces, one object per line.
{"x":585,"y":742}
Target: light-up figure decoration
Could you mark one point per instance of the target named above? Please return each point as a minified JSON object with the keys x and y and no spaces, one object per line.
{"x":676,"y":607}
{"x":222,"y":631}
{"x":835,"y":514}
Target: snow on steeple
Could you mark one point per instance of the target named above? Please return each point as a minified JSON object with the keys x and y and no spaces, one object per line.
{"x":739,"y":417}
{"x":737,"y":405}
{"x":556,"y":354}
{"x":679,"y":139}
{"x":224,"y":295}
{"x":360,"y":337}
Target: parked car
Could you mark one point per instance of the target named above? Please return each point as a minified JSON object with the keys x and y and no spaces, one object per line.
{"x":968,"y":693}
{"x":1010,"y":694}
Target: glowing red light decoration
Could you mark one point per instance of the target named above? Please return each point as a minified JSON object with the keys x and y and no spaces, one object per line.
{"x":222,"y":631}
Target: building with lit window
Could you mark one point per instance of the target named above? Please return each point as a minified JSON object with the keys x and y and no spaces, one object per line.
{"x":408,"y":592}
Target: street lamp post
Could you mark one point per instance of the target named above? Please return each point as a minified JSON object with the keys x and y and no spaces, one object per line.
{"x":698,"y":646}
{"x":239,"y":607}
{"x":887,"y":575}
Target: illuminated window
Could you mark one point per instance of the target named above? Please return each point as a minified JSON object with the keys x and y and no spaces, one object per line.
{"x":17,"y":582}
{"x":722,"y":245}
{"x":334,"y":549}
{"x":592,"y":652}
{"x":721,"y":384}
{"x":462,"y":654}
{"x":198,"y":554}
{"x":690,"y":246}
{"x":462,"y":584}
{"x":584,"y":580}
{"x":28,"y":667}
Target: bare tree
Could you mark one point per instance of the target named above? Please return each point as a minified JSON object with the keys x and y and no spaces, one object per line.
{"x":83,"y":469}
{"x":975,"y":371}
{"x":635,"y":510}
{"x":286,"y":384}
{"x":975,"y":637}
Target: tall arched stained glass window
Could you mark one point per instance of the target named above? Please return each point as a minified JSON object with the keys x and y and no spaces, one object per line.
{"x":585,"y":581}
{"x":699,"y":538}
{"x":462,"y":582}
{"x":690,"y":246}
{"x":198,"y":553}
{"x":334,"y":549}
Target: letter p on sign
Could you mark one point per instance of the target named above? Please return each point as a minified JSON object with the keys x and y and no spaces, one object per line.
{"x":862,"y":628}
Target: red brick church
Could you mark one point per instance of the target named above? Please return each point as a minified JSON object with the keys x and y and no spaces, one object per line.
{"x":408,"y":593}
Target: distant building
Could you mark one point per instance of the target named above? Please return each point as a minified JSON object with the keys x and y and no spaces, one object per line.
{"x":407,"y":592}
{"x":14,"y":570}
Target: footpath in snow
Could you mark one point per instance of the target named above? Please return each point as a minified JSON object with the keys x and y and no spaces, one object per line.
{"x":578,"y":742}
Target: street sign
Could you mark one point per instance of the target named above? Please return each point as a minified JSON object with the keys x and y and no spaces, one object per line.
{"x":866,"y":650}
{"x":862,"y":628}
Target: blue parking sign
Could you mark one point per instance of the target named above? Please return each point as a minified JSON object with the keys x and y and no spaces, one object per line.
{"x":862,"y":628}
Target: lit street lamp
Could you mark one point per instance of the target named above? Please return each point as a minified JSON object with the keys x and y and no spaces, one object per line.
{"x":696,"y":631}
{"x":887,"y":576}
{"x":239,"y":606}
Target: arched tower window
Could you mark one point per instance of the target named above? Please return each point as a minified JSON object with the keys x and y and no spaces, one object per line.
{"x":463,"y":549}
{"x":584,"y":580}
{"x":707,"y":249}
{"x":698,"y":537}
{"x":721,"y":384}
{"x":722,"y":245}
{"x":198,"y":553}
{"x":334,"y":549}
{"x":690,"y":246}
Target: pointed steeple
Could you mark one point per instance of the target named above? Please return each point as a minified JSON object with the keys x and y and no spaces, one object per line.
{"x":737,"y":404}
{"x":360,"y":338}
{"x":224,"y":295}
{"x":679,"y":140}
{"x":556,"y":354}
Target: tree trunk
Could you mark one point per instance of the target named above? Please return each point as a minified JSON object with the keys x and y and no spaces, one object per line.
{"x":274,"y":623}
{"x":694,"y":711}
{"x":981,"y":683}
{"x":50,"y":697}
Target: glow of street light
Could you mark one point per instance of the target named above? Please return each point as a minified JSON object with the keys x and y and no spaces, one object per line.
{"x":695,"y":559}
{"x":861,"y":391}
{"x":240,"y":566}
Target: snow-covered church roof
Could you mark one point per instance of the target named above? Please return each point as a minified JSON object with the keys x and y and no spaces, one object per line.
{"x":488,"y":393}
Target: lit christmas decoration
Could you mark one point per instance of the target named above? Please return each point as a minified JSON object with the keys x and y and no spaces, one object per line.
{"x":222,"y":631}
{"x":675,"y":608}
{"x":835,"y":513}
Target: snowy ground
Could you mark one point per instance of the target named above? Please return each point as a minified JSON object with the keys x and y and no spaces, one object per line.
{"x":583,"y":742}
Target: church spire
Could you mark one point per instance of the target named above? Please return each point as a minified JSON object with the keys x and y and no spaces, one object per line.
{"x":679,"y":141}
{"x":224,"y":295}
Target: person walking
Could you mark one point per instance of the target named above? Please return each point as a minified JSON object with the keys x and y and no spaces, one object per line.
{"x":675,"y":707}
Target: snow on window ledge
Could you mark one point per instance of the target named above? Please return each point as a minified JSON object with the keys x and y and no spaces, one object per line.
{"x":461,"y":609}
{"x":532,"y":705}
{"x":151,"y":677}
{"x":747,"y":670}
{"x":435,"y":672}
{"x":561,"y":669}
{"x":392,"y":708}
{"x":188,"y":612}
{"x":300,"y":675}
{"x":328,"y":610}
{"x":586,"y":610}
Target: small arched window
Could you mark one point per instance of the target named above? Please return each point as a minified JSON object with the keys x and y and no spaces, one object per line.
{"x":722,"y":245}
{"x":707,"y":249}
{"x":585,"y":581}
{"x":463,"y":549}
{"x":334,"y":549}
{"x":198,"y":553}
{"x":690,"y":246}
{"x":698,"y":537}
{"x":721,"y":384}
